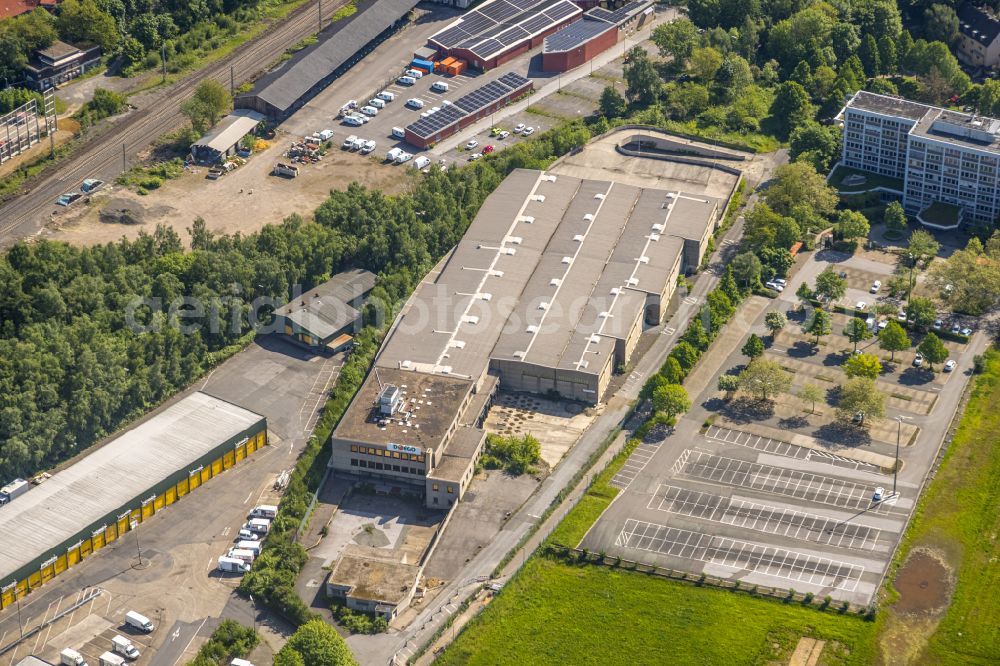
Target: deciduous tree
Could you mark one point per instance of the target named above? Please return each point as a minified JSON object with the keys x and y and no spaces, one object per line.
{"x":863,"y":365}
{"x":851,"y":224}
{"x":671,"y":399}
{"x":830,"y":285}
{"x":893,"y":338}
{"x":933,"y":350}
{"x":860,"y":397}
{"x":819,"y":324}
{"x":612,"y":103}
{"x":765,"y":379}
{"x":857,"y":331}
{"x":753,"y":348}
{"x":894,"y":217}
{"x":812,"y":394}
{"x":730,"y":384}
{"x":775,"y":321}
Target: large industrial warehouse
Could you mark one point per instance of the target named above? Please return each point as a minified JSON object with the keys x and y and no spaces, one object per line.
{"x":467,"y":109}
{"x":500,"y":30}
{"x":82,"y":508}
{"x":547,"y":292}
{"x":279,"y":93}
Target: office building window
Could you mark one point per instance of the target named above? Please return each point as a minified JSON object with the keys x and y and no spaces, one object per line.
{"x":354,"y":448}
{"x":395,"y":468}
{"x":354,"y":462}
{"x":378,"y":452}
{"x":435,"y":487}
{"x":378,"y":465}
{"x":451,"y":489}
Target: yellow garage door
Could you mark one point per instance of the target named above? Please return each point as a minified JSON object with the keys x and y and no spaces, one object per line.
{"x":182,"y":488}
{"x":123,"y":524}
{"x":7,"y":597}
{"x":147,"y":510}
{"x":241,"y":452}
{"x":35,"y":580}
{"x":48,"y":573}
{"x":22,"y":588}
{"x":206,"y":474}
{"x":135,"y":516}
{"x":251,"y":445}
{"x":98,"y":539}
{"x":170,"y":496}
{"x":158,"y":503}
{"x":261,"y":439}
{"x":216,"y":467}
{"x":111,"y":533}
{"x":86,"y":548}
{"x":228,"y":460}
{"x":72,"y":556}
{"x":60,"y":564}
{"x":195,"y":480}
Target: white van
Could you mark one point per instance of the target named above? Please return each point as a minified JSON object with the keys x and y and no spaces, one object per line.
{"x":377,"y":103}
{"x":403,"y":157}
{"x":239,"y":554}
{"x":415,"y":103}
{"x":268,"y":510}
{"x":347,"y":145}
{"x":325,"y":135}
{"x":259,"y":525}
{"x":70,"y":657}
{"x":386,"y":95}
{"x":421,"y":162}
{"x":369,"y":111}
{"x":240,"y":662}
{"x":111,"y":659}
{"x":245,"y":534}
{"x":414,"y":74}
{"x":353,"y":121}
{"x":439,"y":86}
{"x":140,"y":622}
{"x":393,"y":154}
{"x":253,"y":546}
{"x":232,"y":565}
{"x":398,"y":132}
{"x":368,"y":147}
{"x":124,"y":647}
{"x":406,"y":80}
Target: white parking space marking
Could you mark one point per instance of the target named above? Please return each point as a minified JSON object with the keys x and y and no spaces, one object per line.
{"x":740,"y":555}
{"x":780,"y":448}
{"x":635,"y":464}
{"x":778,"y":480}
{"x":765,"y":518}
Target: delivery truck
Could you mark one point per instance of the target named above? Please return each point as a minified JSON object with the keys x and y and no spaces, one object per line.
{"x":12,"y":490}
{"x":264,"y":511}
{"x":232,"y":565}
{"x":259,"y":525}
{"x":111,"y":659}
{"x":70,"y":657}
{"x":124,"y":647}
{"x":253,"y":546}
{"x":140,"y":622}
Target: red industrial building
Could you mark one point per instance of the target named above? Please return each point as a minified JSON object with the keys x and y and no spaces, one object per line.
{"x":467,"y":109}
{"x":500,"y":30}
{"x":596,"y":32}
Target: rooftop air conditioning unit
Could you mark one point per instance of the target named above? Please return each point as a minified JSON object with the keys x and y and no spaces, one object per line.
{"x":549,"y":178}
{"x":588,"y":217}
{"x":578,"y":238}
{"x":532,"y":329}
{"x":514,"y":240}
{"x":599,"y":195}
{"x":540,"y":198}
{"x":527,"y":219}
{"x":555,"y":282}
{"x":567,"y":260}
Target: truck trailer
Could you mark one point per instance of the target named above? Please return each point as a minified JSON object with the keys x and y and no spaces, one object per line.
{"x":70,"y":657}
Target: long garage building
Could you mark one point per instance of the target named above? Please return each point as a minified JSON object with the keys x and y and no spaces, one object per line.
{"x":82,"y":508}
{"x":547,"y":292}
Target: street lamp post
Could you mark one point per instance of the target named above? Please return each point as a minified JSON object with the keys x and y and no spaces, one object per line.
{"x":133,"y":526}
{"x":895,"y":467}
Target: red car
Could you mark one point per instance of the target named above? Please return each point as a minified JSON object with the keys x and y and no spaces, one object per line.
{"x":488,"y":149}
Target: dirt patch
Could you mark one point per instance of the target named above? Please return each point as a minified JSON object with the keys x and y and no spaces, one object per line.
{"x":924,"y":584}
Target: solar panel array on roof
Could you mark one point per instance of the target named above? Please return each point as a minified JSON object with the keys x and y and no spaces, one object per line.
{"x":468,"y":104}
{"x":619,"y":15}
{"x":501,"y":24}
{"x":574,"y":35}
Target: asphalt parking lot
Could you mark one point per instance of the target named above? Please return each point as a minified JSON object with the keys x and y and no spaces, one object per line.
{"x":176,"y":585}
{"x":758,"y":510}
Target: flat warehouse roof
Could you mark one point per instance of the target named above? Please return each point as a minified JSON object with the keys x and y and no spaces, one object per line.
{"x":230,"y":130}
{"x":114,"y":475}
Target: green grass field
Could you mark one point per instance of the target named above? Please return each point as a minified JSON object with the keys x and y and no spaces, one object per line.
{"x":557,"y":613}
{"x":959,"y":517}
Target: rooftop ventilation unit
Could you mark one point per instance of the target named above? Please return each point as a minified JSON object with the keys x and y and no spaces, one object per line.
{"x":549,"y":178}
{"x":615,"y":291}
{"x":658,"y":227}
{"x":594,"y":338}
{"x":588,"y":217}
{"x":632,"y":281}
{"x":581,"y":365}
{"x":643,"y":260}
{"x":567,"y":260}
{"x":543,"y":306}
{"x":527,"y":219}
{"x":578,"y":238}
{"x":406,"y":365}
{"x":654,"y":237}
{"x":457,"y":344}
{"x":519,"y":354}
{"x":470,"y":319}
{"x":514,"y":240}
{"x":604,"y":315}
{"x":532,"y":329}
{"x":389,"y":400}
{"x":599,"y":195}
{"x":555,"y":282}
{"x":484,"y":296}
{"x":540,"y":198}
{"x":510,"y":251}
{"x":495,"y":273}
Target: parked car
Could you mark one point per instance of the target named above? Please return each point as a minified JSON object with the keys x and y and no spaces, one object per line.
{"x":528,"y":131}
{"x":883,"y":324}
{"x":386,"y":95}
{"x":937,"y":324}
{"x":91,"y":185}
{"x":503,"y":135}
{"x":398,"y":133}
{"x":414,"y":74}
{"x":861,"y":306}
{"x":406,"y":80}
{"x":370,"y":111}
{"x":876,"y":285}
{"x":471,"y":144}
{"x":901,"y":316}
{"x":349,"y":142}
{"x":879,"y":494}
{"x":68,"y":198}
{"x":966,"y":331}
{"x":956,"y":329}
{"x":377,"y":103}
{"x":368,"y":147}
{"x":949,"y":365}
{"x":487,"y":149}
{"x":775,"y":286}
{"x":415,"y":103}
{"x":475,"y":156}
{"x":781,"y":281}
{"x":439,"y":86}
{"x":918,"y":360}
{"x":518,"y":128}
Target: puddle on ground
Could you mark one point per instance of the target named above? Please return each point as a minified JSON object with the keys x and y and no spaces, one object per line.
{"x":923,"y":583}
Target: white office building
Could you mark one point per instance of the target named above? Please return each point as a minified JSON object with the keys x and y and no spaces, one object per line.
{"x":947,"y":161}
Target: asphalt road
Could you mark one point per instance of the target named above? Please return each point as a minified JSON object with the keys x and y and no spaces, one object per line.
{"x":158,"y":113}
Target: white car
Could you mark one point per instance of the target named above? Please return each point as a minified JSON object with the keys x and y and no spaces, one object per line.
{"x":368,"y":147}
{"x":353,"y":121}
{"x":415,"y":103}
{"x":876,"y":285}
{"x":528,"y":131}
{"x":518,"y":128}
{"x":363,"y":118}
{"x":503,"y":135}
{"x":879,"y":494}
{"x":861,"y":306}
{"x":349,"y":142}
{"x":882,"y":324}
{"x":775,"y":286}
{"x":950,"y":365}
{"x":966,"y":331}
{"x":377,"y":103}
{"x":369,"y":111}
{"x":781,"y":281}
{"x":937,"y":324}
{"x":414,"y":74}
{"x":475,"y":156}
{"x":918,"y":360}
{"x":471,"y":144}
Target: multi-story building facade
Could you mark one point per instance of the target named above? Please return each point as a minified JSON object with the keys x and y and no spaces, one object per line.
{"x":941,"y":156}
{"x":978,"y":36}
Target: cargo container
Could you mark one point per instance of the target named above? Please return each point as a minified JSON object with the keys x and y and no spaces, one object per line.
{"x":420,"y":63}
{"x":111,"y":659}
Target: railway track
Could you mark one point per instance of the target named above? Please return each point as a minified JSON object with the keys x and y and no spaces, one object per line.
{"x":101,"y":157}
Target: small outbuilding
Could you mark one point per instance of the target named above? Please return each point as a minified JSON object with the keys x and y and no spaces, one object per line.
{"x":323,"y":316}
{"x":224,"y":139}
{"x":370,"y":584}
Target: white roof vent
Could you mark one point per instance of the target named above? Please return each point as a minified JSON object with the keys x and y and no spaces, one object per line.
{"x":470,"y":319}
{"x":555,"y":282}
{"x":406,"y":365}
{"x":549,"y":178}
{"x":527,"y":219}
{"x":654,"y":237}
{"x":496,"y":273}
{"x":658,"y":227}
{"x":599,"y":195}
{"x":595,"y":338}
{"x":532,"y":329}
{"x":632,"y":281}
{"x":484,"y":296}
{"x":588,"y":217}
{"x":510,"y":251}
{"x":457,"y":344}
{"x":643,"y":260}
{"x":604,"y":315}
{"x":582,"y":364}
{"x":543,"y":306}
{"x":578,"y":238}
{"x":514,"y":240}
{"x":671,"y":195}
{"x":615,"y":291}
{"x":540,"y":198}
{"x":567,"y":260}
{"x":519,"y":354}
